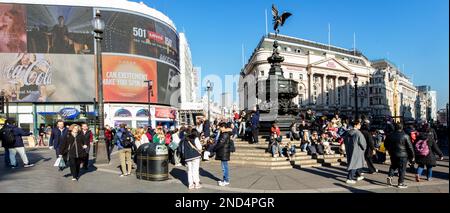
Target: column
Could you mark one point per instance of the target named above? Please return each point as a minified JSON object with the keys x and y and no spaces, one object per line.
{"x":310,"y":98}
{"x":335,"y":89}
{"x":347,"y":94}
{"x":324,"y":89}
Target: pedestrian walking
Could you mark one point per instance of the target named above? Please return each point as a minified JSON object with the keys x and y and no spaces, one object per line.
{"x":89,"y":138}
{"x":192,"y":153}
{"x":12,"y":139}
{"x":370,"y":150}
{"x":426,"y":150}
{"x":124,"y":141}
{"x":41,"y":133}
{"x":223,"y":150}
{"x":58,"y":136}
{"x":7,"y":142}
{"x":401,"y":150}
{"x":108,"y":141}
{"x":75,"y":147}
{"x":355,"y":144}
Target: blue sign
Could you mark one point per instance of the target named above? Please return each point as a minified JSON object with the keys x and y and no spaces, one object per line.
{"x":69,"y":113}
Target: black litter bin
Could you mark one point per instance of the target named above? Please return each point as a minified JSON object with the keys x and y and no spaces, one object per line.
{"x":152,"y":162}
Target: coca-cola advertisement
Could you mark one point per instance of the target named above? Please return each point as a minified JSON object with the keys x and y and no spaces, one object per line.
{"x":32,"y":78}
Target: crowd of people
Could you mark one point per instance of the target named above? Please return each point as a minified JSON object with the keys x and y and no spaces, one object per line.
{"x":361,"y":143}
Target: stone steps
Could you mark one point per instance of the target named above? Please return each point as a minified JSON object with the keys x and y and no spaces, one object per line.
{"x":250,"y":152}
{"x":269,"y":158}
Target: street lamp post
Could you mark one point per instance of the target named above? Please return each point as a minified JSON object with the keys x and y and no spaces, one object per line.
{"x":355,"y":79}
{"x":99,"y":27}
{"x":448,"y":117}
{"x":149,"y":93}
{"x":208,"y":89}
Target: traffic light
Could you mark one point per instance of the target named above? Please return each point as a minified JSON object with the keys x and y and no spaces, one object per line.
{"x":83,"y":109}
{"x":2,"y":104}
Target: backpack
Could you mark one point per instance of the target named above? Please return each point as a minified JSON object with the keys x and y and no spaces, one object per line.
{"x":7,"y":137}
{"x":125,"y":139}
{"x":422,"y":148}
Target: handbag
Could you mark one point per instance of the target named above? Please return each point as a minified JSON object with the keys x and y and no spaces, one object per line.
{"x":232,"y":147}
{"x":173,"y":145}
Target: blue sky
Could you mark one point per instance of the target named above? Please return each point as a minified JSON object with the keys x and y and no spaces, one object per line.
{"x":411,"y":33}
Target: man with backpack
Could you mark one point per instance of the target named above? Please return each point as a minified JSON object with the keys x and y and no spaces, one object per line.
{"x":5,"y":145}
{"x":12,"y":138}
{"x":124,"y":142}
{"x":401,"y":150}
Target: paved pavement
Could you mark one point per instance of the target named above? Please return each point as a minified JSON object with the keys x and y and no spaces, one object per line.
{"x":105,"y":179}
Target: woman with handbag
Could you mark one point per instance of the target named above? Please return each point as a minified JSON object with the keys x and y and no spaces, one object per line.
{"x":75,"y":147}
{"x":192,"y":155}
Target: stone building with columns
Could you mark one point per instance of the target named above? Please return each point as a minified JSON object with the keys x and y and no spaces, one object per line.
{"x":391,"y":92}
{"x":324,"y":75}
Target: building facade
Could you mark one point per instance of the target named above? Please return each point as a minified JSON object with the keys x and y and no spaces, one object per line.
{"x":392,"y":93}
{"x":48,"y":68}
{"x":426,"y":104}
{"x":325,"y":79}
{"x":324,"y":75}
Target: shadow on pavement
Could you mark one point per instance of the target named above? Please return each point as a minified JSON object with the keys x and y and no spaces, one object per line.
{"x":180,"y":174}
{"x":352,"y":189}
{"x":33,"y":157}
{"x":209,"y":175}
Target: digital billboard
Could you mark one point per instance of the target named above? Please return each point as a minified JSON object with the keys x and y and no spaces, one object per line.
{"x":32,"y":77}
{"x":143,"y":36}
{"x":60,"y":29}
{"x":124,"y":76}
{"x":13,"y":37}
{"x":47,"y":55}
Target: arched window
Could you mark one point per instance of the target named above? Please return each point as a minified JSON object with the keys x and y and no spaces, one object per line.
{"x":142,"y":113}
{"x":123,"y":113}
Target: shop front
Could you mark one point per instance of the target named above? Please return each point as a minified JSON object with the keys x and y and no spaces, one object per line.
{"x":136,"y":115}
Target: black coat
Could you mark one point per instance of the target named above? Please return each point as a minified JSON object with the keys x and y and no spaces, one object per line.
{"x":430,"y":159}
{"x":222,"y":148}
{"x":74,"y":146}
{"x":399,"y":145}
{"x":370,"y":145}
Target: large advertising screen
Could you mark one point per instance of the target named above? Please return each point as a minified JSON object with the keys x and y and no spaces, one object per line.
{"x":13,"y":37}
{"x":47,"y":55}
{"x":60,"y":29}
{"x":124,"y":76}
{"x":31,"y":77}
{"x":144,"y":37}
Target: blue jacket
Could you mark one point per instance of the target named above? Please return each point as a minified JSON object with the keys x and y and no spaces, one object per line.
{"x":18,"y":133}
{"x":56,"y":138}
{"x":118,"y":137}
{"x":255,"y":120}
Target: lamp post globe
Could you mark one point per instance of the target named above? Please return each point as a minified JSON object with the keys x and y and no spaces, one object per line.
{"x":98,"y":23}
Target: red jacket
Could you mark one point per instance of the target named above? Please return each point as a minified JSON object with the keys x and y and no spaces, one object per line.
{"x":168,"y":138}
{"x":276,"y":130}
